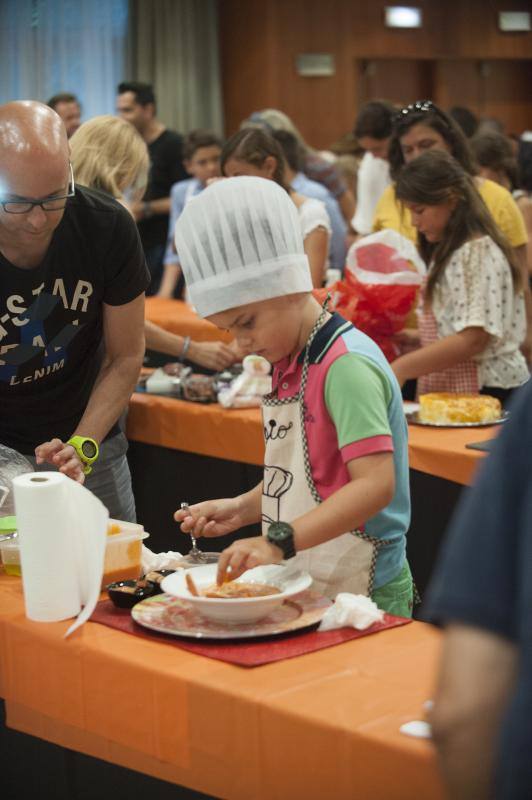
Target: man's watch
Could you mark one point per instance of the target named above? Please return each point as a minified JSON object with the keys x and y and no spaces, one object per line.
{"x":87,"y":450}
{"x":281,"y":534}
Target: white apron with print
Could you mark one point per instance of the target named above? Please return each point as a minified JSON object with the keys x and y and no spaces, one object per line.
{"x":343,"y":564}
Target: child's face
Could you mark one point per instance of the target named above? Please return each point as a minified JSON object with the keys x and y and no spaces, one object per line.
{"x":431,"y":221}
{"x":270,"y":328}
{"x":205,"y":163}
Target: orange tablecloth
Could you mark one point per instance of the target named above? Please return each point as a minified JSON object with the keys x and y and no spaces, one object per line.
{"x":325,"y":725}
{"x":236,"y":435}
{"x":177,"y":317}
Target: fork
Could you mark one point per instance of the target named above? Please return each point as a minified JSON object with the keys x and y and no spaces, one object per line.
{"x":194,"y":553}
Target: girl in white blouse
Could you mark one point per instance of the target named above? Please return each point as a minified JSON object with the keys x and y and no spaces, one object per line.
{"x":251,"y":151}
{"x":472,"y":313}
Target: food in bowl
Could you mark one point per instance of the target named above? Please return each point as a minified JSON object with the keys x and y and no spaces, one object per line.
{"x":126,"y":594}
{"x":448,"y":408}
{"x":236,"y":610}
{"x":233,"y":589}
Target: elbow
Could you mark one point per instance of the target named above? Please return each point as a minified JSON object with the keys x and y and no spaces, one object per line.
{"x":476,"y":340}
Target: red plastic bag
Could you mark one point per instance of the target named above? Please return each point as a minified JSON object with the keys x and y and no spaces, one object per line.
{"x":382,"y":278}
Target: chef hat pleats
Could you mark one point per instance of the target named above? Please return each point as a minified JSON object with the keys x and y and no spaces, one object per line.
{"x":240,"y":242}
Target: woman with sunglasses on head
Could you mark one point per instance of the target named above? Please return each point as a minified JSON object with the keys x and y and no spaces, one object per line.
{"x":472,"y":316}
{"x":423,"y":126}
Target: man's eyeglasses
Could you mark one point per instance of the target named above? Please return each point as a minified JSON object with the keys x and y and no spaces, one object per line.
{"x":421,"y":105}
{"x":55,"y":203}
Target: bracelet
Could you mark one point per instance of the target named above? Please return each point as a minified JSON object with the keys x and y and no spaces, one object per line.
{"x":147,"y":210}
{"x":184,"y":351}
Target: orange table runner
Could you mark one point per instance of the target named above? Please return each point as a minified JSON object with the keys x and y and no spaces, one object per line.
{"x":322,"y":725}
{"x":177,"y":317}
{"x":236,"y":435}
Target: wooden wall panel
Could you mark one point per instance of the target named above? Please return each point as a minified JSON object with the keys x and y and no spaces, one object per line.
{"x":260,"y":40}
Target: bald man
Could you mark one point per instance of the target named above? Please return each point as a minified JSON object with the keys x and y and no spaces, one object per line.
{"x":72,"y":283}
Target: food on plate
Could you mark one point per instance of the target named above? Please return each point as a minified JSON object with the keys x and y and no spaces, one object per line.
{"x":448,"y":408}
{"x":199,"y":388}
{"x":176,"y":369}
{"x":238,"y":590}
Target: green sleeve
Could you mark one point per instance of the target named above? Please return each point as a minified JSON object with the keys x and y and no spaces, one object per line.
{"x":357,"y":395}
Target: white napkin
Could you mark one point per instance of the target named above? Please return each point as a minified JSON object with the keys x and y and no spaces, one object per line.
{"x":351,"y":611}
{"x":151,"y":561}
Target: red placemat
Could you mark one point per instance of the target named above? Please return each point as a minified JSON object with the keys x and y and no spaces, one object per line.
{"x":244,"y":653}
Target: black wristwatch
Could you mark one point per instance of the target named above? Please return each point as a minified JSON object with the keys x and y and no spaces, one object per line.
{"x":281,"y":534}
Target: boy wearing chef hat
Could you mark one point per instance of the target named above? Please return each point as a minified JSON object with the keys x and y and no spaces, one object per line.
{"x":335,"y":494}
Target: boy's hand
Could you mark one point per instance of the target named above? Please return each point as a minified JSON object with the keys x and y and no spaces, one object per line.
{"x":211,"y":518}
{"x":245,"y":554}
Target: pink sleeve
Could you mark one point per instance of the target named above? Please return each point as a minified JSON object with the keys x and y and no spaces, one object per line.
{"x":366,"y":447}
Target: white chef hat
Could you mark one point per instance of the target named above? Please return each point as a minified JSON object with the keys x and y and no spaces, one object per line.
{"x":239,"y":242}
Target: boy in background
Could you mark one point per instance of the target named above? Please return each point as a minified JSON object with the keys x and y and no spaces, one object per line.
{"x":201,"y":159}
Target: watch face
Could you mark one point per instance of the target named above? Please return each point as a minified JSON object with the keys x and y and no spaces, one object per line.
{"x":280,"y":531}
{"x":88,"y":449}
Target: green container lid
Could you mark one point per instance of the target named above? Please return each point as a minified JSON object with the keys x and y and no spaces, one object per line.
{"x":8,"y":524}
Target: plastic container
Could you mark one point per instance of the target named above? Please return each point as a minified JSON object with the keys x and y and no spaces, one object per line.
{"x":123,"y":552}
{"x":10,"y":553}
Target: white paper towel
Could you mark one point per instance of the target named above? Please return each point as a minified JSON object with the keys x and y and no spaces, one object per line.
{"x":62,"y":532}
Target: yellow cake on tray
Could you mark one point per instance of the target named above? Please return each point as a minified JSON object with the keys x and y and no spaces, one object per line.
{"x":449,"y":408}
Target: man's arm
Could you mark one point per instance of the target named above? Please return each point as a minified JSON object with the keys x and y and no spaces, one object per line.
{"x":476,"y":679}
{"x":144,"y":209}
{"x":123,"y":329}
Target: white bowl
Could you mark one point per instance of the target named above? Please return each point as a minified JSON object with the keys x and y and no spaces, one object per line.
{"x":233,"y":611}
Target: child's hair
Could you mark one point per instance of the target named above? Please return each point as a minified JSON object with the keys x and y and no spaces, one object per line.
{"x":199,"y":138}
{"x":424,"y":112}
{"x":466,"y":119}
{"x":524,"y":160}
{"x":253,"y":146}
{"x":375,"y":119}
{"x":291,"y":149}
{"x":108,"y":154}
{"x":433,"y":179}
{"x":494,"y":151}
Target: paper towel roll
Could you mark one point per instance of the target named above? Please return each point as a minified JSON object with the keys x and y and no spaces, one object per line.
{"x":62,"y":531}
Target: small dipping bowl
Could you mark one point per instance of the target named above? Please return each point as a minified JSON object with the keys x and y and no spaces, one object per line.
{"x":126,"y":594}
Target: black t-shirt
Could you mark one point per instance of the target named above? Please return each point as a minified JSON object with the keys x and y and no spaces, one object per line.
{"x":51,"y":318}
{"x":484,"y":579}
{"x":166,"y":168}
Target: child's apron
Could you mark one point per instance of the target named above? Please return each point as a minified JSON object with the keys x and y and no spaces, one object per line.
{"x":462,"y":377}
{"x":343,"y":564}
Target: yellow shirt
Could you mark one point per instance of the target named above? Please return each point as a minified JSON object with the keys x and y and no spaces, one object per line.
{"x":501,"y":205}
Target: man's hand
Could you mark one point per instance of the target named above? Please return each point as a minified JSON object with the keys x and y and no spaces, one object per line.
{"x":63,"y":456}
{"x":246,"y":554}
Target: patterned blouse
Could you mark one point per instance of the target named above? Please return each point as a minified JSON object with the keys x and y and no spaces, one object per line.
{"x":476,"y":290}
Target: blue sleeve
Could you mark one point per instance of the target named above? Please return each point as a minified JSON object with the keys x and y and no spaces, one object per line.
{"x":484,"y":575}
{"x":337,"y":250}
{"x":177,"y":202}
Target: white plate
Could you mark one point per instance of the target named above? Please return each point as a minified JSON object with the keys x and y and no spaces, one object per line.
{"x":166,"y":614}
{"x":238,"y":611}
{"x":413,"y":419}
